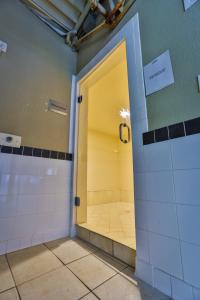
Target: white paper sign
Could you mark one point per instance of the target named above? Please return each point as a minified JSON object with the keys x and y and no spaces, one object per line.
{"x":188,"y":3}
{"x":158,"y":74}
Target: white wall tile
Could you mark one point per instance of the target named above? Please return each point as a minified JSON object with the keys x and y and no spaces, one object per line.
{"x":158,"y":157}
{"x":46,"y":203}
{"x":140,"y":215}
{"x":165,"y":254}
{"x":8,"y":184}
{"x":181,"y":290}
{"x":139,"y":159}
{"x":187,"y":187}
{"x":142,"y":241}
{"x":13,"y":245}
{"x":26,"y":242}
{"x":37,"y":239}
{"x":162,"y":218}
{"x":196,"y":293}
{"x":3,"y":247}
{"x":191,"y":263}
{"x":34,"y":200}
{"x":159,"y":186}
{"x":7,"y":226}
{"x":139,"y":186}
{"x":6,"y":164}
{"x":144,"y":271}
{"x":25,"y":226}
{"x":189,"y":223}
{"x":8,"y":206}
{"x":185,"y":152}
{"x":27,"y":204}
{"x":162,"y":282}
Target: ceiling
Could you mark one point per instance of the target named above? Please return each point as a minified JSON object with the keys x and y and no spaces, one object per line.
{"x":63,"y":14}
{"x":77,"y":20}
{"x":108,"y":93}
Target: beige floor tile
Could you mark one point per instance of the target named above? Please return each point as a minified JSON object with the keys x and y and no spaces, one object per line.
{"x":6,"y":280}
{"x":29,"y":263}
{"x":118,"y":288}
{"x":59,"y":284}
{"x":90,"y":296}
{"x":9,"y":295}
{"x":111,"y":261}
{"x":91,"y":271}
{"x":69,"y":250}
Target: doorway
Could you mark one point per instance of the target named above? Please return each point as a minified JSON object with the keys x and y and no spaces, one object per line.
{"x":105,"y":161}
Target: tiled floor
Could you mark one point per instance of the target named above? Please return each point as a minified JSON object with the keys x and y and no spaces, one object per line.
{"x":69,"y":269}
{"x":113,"y":220}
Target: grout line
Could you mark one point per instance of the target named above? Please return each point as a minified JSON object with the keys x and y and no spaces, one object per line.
{"x":80,"y":280}
{"x":176,"y":209}
{"x":12,"y":276}
{"x":97,"y":285}
{"x":18,"y":293}
{"x":65,"y":264}
{"x":16,"y":285}
{"x":116,"y":272}
{"x":6,"y":290}
{"x":89,"y":294}
{"x":174,"y":202}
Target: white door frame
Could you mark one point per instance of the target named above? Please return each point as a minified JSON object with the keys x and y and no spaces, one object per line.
{"x":131,"y":34}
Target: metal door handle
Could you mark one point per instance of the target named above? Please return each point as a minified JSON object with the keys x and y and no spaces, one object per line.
{"x":121,"y":126}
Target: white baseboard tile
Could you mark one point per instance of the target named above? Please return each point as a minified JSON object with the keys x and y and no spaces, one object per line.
{"x":144,"y":271}
{"x":162,"y":282}
{"x":196,"y":293}
{"x":181,"y":290}
{"x":2,"y":247}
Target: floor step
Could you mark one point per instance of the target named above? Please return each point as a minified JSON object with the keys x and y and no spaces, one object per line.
{"x":120,"y":251}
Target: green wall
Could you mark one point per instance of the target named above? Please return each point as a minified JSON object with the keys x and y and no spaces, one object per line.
{"x":38,"y":66}
{"x":164,"y":25}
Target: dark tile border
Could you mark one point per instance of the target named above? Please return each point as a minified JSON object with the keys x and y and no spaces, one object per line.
{"x":174,"y":131}
{"x":36,"y":152}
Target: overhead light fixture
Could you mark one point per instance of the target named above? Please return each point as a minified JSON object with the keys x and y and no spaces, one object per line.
{"x":57,"y":107}
{"x":125,"y":113}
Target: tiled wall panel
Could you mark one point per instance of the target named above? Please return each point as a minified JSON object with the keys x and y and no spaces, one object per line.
{"x":167,"y":189}
{"x":34,"y":200}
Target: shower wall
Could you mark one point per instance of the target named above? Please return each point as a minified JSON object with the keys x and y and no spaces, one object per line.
{"x":110,"y":177}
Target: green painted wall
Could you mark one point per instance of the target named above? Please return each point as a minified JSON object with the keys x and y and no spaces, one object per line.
{"x":38,"y":66}
{"x":164,"y":25}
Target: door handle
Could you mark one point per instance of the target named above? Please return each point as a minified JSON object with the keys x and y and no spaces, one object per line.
{"x":121,"y":126}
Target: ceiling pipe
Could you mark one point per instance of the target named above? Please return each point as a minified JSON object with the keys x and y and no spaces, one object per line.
{"x":111,"y":4}
{"x":71,"y":38}
{"x":110,"y":23}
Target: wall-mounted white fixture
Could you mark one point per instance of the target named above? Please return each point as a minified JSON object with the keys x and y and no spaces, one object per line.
{"x":11,"y":140}
{"x":57,"y":107}
{"x":3,"y":47}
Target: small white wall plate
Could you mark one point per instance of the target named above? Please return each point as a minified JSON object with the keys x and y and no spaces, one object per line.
{"x":11,"y":140}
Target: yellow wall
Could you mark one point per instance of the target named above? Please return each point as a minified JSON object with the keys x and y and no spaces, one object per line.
{"x":109,"y":168}
{"x":103,"y":168}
